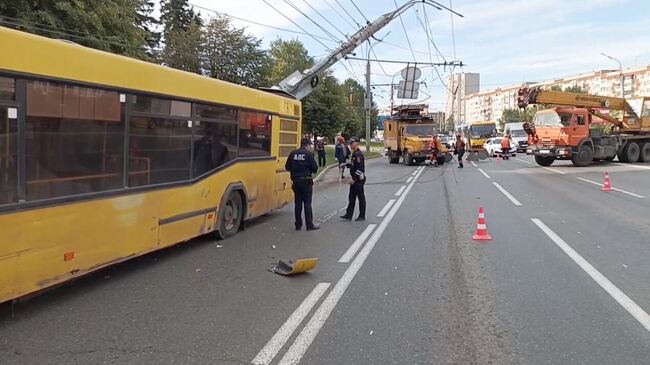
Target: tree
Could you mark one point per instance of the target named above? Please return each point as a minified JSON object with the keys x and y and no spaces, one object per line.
{"x":183,"y":49}
{"x":355,"y":116}
{"x":232,"y":55}
{"x":176,"y":16}
{"x":517,"y":116}
{"x":147,"y":24}
{"x":285,"y":58}
{"x":110,"y":25}
{"x":574,"y":89}
{"x":324,"y":109}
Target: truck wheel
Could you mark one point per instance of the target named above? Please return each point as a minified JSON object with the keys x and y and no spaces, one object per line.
{"x":584,"y":157}
{"x":632,"y":152}
{"x":645,"y":152}
{"x":408,"y":159}
{"x":544,"y":160}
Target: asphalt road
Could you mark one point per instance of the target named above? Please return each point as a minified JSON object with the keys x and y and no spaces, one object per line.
{"x":564,"y":280}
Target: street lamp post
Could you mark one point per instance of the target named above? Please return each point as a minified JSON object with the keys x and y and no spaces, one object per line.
{"x":620,"y":67}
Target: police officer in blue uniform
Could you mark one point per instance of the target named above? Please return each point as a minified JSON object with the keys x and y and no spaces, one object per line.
{"x":357,"y":167}
{"x":301,"y":164}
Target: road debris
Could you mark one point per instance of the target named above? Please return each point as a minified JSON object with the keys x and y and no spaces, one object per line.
{"x":294,"y":267}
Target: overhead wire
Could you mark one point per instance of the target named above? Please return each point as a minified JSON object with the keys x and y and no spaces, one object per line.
{"x":258,"y":23}
{"x":428,"y":43}
{"x":453,"y":35}
{"x":296,"y":8}
{"x":359,"y":10}
{"x":408,"y":40}
{"x":346,"y":12}
{"x":324,"y":18}
{"x":296,"y":24}
{"x":340,"y":15}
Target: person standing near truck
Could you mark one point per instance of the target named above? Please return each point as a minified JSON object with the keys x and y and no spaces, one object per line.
{"x":459,"y":150}
{"x":505,"y":147}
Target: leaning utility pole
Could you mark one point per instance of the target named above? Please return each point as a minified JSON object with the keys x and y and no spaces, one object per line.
{"x":368,"y":106}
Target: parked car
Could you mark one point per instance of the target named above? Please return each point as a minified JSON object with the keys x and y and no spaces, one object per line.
{"x":451,"y":142}
{"x":493,"y":146}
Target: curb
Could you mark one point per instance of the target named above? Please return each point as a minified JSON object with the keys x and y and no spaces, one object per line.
{"x":326,"y":169}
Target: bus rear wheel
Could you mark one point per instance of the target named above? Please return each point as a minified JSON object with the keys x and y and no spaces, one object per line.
{"x":230,"y":216}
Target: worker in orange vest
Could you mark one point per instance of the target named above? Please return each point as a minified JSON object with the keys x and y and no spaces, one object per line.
{"x":505,"y":147}
{"x":433,"y":148}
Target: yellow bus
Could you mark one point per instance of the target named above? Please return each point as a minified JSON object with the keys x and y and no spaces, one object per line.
{"x":104,"y":158}
{"x":476,"y":133}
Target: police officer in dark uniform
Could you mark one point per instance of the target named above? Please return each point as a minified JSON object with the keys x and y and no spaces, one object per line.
{"x":301,"y":164}
{"x":358,"y":172}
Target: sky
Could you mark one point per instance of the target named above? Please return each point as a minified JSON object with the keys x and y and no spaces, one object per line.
{"x":506,"y":41}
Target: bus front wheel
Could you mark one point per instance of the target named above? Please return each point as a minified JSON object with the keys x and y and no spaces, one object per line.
{"x":230,"y":216}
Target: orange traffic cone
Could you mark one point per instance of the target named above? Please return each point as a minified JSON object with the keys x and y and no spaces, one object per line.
{"x":481,"y":228}
{"x":608,"y":184}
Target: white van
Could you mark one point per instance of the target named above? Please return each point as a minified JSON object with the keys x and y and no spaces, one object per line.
{"x":518,"y":136}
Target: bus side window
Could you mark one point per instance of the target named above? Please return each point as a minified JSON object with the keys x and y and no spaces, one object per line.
{"x":254,"y":134}
{"x":74,"y":140}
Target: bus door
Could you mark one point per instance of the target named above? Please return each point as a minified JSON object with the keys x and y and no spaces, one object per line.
{"x":289,"y":139}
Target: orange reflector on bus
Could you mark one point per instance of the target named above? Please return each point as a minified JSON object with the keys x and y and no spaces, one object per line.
{"x":68,"y":256}
{"x":210,"y":215}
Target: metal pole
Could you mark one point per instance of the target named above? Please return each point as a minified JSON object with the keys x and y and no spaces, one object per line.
{"x":620,"y":68}
{"x":368,"y":102}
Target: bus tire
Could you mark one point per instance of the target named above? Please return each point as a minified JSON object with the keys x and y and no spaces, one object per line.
{"x":230,"y":216}
{"x":645,"y":152}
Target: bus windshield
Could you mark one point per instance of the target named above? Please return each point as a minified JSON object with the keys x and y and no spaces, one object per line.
{"x":483,"y":131}
{"x":418,"y":130}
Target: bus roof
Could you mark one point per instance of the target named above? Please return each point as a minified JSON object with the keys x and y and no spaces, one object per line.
{"x":40,"y":56}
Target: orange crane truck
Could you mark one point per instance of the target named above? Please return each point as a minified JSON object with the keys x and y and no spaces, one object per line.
{"x":564,"y":131}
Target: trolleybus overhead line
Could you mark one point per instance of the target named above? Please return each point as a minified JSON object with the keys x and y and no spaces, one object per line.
{"x":260,"y":24}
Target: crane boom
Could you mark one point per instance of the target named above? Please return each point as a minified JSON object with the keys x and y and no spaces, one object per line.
{"x":301,"y":83}
{"x":537,"y":95}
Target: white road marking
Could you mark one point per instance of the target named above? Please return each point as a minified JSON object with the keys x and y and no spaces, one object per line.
{"x":483,"y":172}
{"x":275,"y":344}
{"x":349,"y":254}
{"x":473,"y":163}
{"x":635,"y":166}
{"x":544,"y":167}
{"x":507,"y":194}
{"x":386,"y":207}
{"x":311,"y":329}
{"x":524,"y":161}
{"x":554,"y":170}
{"x":401,"y":190}
{"x":628,"y":304}
{"x":415,"y":172}
{"x":615,"y":189}
{"x":408,"y":181}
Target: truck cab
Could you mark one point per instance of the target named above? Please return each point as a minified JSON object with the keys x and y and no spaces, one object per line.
{"x":407,"y":134}
{"x":566,"y":134}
